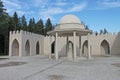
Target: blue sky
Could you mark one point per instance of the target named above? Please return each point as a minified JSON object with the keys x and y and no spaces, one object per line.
{"x":97,"y":14}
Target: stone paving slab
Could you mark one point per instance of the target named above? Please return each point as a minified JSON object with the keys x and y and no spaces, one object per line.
{"x":42,"y":68}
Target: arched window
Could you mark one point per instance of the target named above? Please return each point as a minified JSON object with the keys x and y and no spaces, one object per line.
{"x":105,"y":47}
{"x":15,"y":48}
{"x":27,"y":48}
{"x":37,"y":48}
{"x":85,"y":48}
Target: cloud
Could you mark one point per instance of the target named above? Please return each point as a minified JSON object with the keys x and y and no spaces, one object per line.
{"x":112,"y":4}
{"x":78,"y":8}
{"x":107,"y":4}
{"x":50,"y":12}
{"x":59,"y":3}
{"x":44,"y":9}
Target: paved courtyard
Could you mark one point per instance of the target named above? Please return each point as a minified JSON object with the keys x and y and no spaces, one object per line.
{"x":42,"y":68}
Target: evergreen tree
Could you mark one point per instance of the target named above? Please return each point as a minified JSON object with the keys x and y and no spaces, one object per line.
{"x":39,"y":27}
{"x":101,"y":31}
{"x":11,"y":24}
{"x":48,"y":26}
{"x":23,"y":23}
{"x":30,"y":28}
{"x":86,"y":27}
{"x":96,"y":33}
{"x":105,"y":31}
{"x":31,"y":25}
{"x":15,"y":20}
{"x":4,"y":19}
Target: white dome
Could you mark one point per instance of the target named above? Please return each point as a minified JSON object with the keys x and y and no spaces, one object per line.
{"x":69,"y":19}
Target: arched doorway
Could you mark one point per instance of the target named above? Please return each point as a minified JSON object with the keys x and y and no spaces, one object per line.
{"x":85,"y":48}
{"x":27,"y":48}
{"x":15,"y":48}
{"x":53,"y":47}
{"x":70,"y":54}
{"x":105,"y":47}
{"x":2,"y":46}
{"x":37,"y":48}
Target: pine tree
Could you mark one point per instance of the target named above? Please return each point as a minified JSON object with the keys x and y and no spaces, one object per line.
{"x":30,"y":28}
{"x":31,"y":25}
{"x":15,"y":20}
{"x":23,"y":23}
{"x":11,"y":24}
{"x":4,"y":19}
{"x":39,"y":27}
{"x":96,"y":33}
{"x":105,"y":31}
{"x":101,"y":31}
{"x":48,"y":26}
{"x":86,"y":27}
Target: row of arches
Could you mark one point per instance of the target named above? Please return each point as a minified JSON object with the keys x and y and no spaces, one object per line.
{"x":15,"y":48}
{"x":104,"y":46}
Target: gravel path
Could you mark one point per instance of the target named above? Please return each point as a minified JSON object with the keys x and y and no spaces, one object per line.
{"x":42,"y":68}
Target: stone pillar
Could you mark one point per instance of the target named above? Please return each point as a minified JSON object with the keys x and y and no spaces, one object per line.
{"x":80,"y":46}
{"x":67,"y":45}
{"x":50,"y":54}
{"x":89,"y":54}
{"x":74,"y":44}
{"x":10,"y":44}
{"x":56,"y":46}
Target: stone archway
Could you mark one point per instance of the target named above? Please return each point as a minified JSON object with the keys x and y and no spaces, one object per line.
{"x":70,"y":54}
{"x":85,"y":48}
{"x":37,"y":48}
{"x":15,"y":48}
{"x":53,"y":47}
{"x":105,"y":49}
{"x":27,"y":48}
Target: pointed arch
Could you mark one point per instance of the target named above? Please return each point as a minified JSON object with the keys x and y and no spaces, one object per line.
{"x":85,"y":48}
{"x":70,"y":50}
{"x":37,"y":48}
{"x":105,"y":48}
{"x":27,"y":48}
{"x":53,"y":47}
{"x":15,"y":48}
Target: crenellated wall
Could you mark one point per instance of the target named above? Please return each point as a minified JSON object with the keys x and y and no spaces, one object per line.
{"x":25,"y":38}
{"x":22,"y":37}
{"x":96,"y":40}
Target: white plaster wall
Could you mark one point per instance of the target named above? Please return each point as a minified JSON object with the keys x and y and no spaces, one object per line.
{"x":46,"y":41}
{"x":22,"y":37}
{"x":95,"y":42}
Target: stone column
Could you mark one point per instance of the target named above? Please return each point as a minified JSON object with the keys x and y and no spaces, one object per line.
{"x":10,"y":44}
{"x":50,"y":54}
{"x":56,"y":46}
{"x":89,"y":54}
{"x":80,"y":46}
{"x":74,"y":44}
{"x":67,"y":45}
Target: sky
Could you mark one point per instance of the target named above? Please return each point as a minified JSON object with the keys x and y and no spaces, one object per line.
{"x":97,"y":14}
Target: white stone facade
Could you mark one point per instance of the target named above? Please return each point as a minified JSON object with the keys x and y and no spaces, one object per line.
{"x":97,"y":42}
{"x":22,"y":43}
{"x":25,"y":43}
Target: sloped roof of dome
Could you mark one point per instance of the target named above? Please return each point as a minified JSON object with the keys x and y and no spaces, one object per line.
{"x":69,"y":19}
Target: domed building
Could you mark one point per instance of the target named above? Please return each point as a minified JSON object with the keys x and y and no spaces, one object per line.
{"x":69,"y":39}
